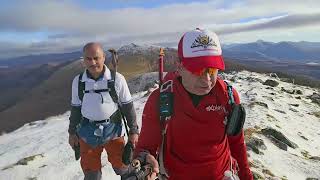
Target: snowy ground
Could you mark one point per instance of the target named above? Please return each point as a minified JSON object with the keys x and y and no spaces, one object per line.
{"x":50,"y":157}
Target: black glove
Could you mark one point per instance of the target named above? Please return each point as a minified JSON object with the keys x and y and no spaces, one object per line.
{"x":127,"y":155}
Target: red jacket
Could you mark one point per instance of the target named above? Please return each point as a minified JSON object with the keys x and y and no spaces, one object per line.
{"x":197,"y":147}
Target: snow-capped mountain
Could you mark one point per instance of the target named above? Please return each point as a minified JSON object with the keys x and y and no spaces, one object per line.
{"x":137,"y":49}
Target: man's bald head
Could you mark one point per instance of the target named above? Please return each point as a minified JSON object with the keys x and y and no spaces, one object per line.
{"x":92,"y":45}
{"x":94,"y":57}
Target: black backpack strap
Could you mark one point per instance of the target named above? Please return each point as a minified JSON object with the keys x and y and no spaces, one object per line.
{"x":166,"y":100}
{"x":81,"y":87}
{"x":115,"y":98}
{"x":111,"y":86}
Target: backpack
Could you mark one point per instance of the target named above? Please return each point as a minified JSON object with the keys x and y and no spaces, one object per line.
{"x":112,"y":91}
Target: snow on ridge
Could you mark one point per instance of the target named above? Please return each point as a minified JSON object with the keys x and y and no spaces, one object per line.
{"x":134,"y":48}
{"x":47,"y":140}
{"x":286,"y":113}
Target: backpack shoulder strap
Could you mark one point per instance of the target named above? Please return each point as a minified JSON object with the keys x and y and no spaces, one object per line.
{"x":230,"y":93}
{"x":166,"y":100}
{"x":166,"y":111}
{"x":81,"y":87}
{"x":111,"y":86}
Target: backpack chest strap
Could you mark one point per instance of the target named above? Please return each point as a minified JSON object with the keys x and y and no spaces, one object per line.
{"x":96,"y":91}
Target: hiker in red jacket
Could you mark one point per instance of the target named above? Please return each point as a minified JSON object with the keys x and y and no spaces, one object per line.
{"x":196,"y":145}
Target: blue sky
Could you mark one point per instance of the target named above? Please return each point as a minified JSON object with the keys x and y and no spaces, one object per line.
{"x":49,"y":26}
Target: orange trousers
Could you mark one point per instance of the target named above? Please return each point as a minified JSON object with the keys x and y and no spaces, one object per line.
{"x":91,"y":157}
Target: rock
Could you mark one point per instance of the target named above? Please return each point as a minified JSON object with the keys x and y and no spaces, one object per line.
{"x":255,"y":144}
{"x":287,"y":80}
{"x":280,"y":111}
{"x":294,"y":110}
{"x":254,"y":164}
{"x":317,"y":158}
{"x":272,"y":93}
{"x":278,"y":143}
{"x":287,"y":91}
{"x":298,"y":91}
{"x":271,"y":83}
{"x":269,"y":88}
{"x":317,"y":114}
{"x":309,"y":178}
{"x":257,"y":176}
{"x":315,"y":98}
{"x":270,"y":132}
{"x":252,"y":79}
{"x":267,"y":171}
{"x":271,"y":118}
{"x":259,"y":103}
{"x":298,"y":97}
{"x":295,"y":105}
{"x":274,"y":75}
{"x":302,"y":136}
{"x":24,"y":161}
{"x":305,"y":154}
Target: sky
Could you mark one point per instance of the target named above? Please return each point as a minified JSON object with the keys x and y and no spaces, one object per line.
{"x":47,"y":140}
{"x":52,"y":26}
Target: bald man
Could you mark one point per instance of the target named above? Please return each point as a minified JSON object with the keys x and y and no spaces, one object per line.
{"x":95,"y":120}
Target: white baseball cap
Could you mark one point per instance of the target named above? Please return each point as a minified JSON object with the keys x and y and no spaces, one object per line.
{"x":200,"y":49}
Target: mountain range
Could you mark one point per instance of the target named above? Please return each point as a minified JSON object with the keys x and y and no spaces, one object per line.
{"x":303,"y":52}
{"x":34,"y":89}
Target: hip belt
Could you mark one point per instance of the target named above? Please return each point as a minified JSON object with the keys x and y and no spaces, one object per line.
{"x":86,"y":120}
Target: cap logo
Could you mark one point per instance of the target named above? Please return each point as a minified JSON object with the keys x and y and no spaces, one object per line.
{"x":203,"y":41}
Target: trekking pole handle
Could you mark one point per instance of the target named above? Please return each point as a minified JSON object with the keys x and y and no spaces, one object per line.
{"x":161,"y":54}
{"x":114,"y":58}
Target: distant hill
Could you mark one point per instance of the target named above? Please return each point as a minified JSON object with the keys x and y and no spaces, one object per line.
{"x":15,"y":82}
{"x":37,"y":60}
{"x":49,"y":98}
{"x":46,"y":89}
{"x":52,"y":96}
{"x":302,"y":52}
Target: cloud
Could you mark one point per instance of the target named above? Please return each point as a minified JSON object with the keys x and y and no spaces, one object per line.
{"x":282,"y":22}
{"x":71,"y":25}
{"x":71,"y":18}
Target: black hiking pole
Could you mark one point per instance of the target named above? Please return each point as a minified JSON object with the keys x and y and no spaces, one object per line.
{"x":115,"y":61}
{"x":129,"y":147}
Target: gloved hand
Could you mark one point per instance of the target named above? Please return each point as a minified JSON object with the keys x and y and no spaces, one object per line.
{"x":74,"y":143}
{"x":73,"y":140}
